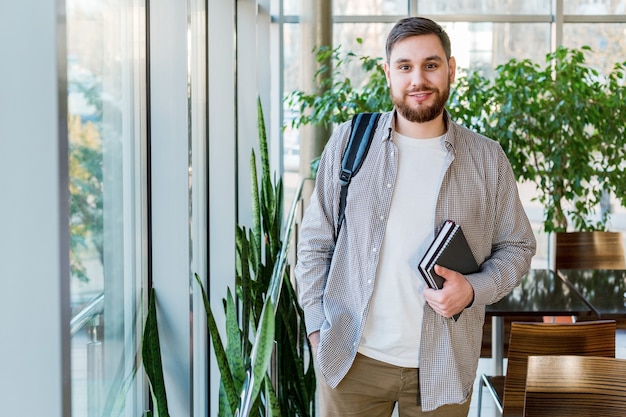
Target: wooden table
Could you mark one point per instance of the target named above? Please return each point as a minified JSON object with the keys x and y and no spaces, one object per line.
{"x":541,"y":293}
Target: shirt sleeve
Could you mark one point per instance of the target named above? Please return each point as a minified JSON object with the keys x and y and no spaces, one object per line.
{"x":513,"y":244}
{"x":316,"y":241}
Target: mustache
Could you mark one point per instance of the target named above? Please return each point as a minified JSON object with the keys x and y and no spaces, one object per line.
{"x":421,"y":89}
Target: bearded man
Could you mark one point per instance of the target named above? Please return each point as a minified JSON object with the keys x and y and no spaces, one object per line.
{"x":380,"y":337}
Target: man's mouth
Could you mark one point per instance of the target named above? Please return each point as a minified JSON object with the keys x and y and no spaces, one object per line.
{"x":420,"y":96}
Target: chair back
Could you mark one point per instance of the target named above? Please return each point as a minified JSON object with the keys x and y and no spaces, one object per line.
{"x":586,"y":338}
{"x":589,"y":250}
{"x":571,"y":386}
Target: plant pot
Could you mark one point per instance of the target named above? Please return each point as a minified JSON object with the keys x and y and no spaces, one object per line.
{"x":589,"y":250}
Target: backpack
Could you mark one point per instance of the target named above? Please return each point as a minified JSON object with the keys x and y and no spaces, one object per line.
{"x":363,"y":127}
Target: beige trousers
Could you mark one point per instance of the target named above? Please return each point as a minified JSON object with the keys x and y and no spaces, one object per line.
{"x":372,"y":388}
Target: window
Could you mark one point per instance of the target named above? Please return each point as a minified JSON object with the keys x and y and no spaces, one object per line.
{"x":106,"y":128}
{"x":484,"y":7}
{"x":484,"y":34}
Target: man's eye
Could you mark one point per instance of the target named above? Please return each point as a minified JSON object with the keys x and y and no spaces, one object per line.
{"x":431,"y":66}
{"x":403,"y":67}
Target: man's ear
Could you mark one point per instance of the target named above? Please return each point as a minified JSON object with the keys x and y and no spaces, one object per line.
{"x":386,"y":69}
{"x":452,"y":69}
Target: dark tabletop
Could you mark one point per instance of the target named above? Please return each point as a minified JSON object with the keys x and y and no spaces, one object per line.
{"x":604,"y":289}
{"x":541,"y":293}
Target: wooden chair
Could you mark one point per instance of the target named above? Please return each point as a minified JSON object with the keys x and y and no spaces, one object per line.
{"x":587,"y":250}
{"x":586,"y":338}
{"x":571,"y":386}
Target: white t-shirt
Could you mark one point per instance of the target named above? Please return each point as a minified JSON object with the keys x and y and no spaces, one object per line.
{"x":394,"y":321}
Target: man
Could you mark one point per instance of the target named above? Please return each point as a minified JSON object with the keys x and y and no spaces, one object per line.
{"x":379,"y":335}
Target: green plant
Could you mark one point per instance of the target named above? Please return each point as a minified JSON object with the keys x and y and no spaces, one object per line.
{"x":151,"y":357}
{"x":257,"y":327}
{"x":340,"y":99}
{"x":257,"y":255}
{"x":559,"y":126}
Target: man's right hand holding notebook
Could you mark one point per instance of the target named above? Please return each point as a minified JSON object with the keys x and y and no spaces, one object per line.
{"x":454,"y":297}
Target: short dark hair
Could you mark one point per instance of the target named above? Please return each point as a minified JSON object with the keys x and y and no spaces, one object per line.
{"x":416,"y":26}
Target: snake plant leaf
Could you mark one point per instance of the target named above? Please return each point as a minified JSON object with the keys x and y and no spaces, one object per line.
{"x":151,"y":352}
{"x":263,"y":149}
{"x":256,"y":208}
{"x":224,"y":409}
{"x":273,"y":406}
{"x":234,"y":348}
{"x":220,"y":354}
{"x":244,"y":279}
{"x":260,"y":357}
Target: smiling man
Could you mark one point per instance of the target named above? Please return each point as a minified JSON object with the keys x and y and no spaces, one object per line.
{"x":380,"y":337}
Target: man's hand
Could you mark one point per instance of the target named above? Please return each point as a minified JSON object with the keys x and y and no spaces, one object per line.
{"x":314,"y":340}
{"x":456,"y":294}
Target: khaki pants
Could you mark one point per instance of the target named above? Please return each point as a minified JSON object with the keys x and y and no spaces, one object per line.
{"x":372,"y":388}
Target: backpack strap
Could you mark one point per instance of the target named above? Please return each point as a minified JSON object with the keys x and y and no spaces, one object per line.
{"x":363,"y":127}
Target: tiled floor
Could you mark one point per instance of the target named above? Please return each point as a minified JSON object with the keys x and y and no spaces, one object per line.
{"x":485,"y":366}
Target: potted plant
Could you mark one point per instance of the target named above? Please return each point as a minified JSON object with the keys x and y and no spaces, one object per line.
{"x":340,"y":97}
{"x":258,"y":327}
{"x":561,"y":126}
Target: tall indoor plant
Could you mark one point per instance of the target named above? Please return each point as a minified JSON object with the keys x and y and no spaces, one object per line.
{"x":559,"y":124}
{"x":341,"y":97}
{"x":256,"y":330}
{"x":292,"y":392}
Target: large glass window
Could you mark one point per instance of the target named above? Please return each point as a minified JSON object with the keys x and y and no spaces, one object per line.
{"x":106,"y":85}
{"x":485,"y":34}
{"x":607,"y":41}
{"x":483,"y":45}
{"x":291,"y":81}
{"x":484,"y":7}
{"x":594,"y":7}
{"x":370,"y":7}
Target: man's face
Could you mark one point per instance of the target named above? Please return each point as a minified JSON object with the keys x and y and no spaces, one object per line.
{"x":419,"y":77}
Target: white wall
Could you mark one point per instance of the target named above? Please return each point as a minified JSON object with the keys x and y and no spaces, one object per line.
{"x":170,"y":196}
{"x":34,"y":230}
{"x":222,"y":172}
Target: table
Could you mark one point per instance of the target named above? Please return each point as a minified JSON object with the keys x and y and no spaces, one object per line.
{"x":541,"y":293}
{"x":603,"y":289}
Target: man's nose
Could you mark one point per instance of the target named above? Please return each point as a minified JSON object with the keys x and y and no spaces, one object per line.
{"x":417,"y":77}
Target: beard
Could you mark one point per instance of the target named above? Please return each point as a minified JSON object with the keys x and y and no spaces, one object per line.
{"x":422,"y":113}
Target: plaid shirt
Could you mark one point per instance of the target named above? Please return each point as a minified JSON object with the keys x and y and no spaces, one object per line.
{"x":335,"y":274}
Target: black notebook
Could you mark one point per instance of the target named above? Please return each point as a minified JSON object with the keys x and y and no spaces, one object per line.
{"x":449,"y":249}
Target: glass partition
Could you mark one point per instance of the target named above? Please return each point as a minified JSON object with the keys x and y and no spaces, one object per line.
{"x":106,"y":106}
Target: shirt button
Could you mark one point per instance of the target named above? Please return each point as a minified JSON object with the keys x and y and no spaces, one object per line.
{"x":369,"y":281}
{"x":373,"y":249}
{"x":388,"y":185}
{"x":392,"y":153}
{"x":382,"y":217}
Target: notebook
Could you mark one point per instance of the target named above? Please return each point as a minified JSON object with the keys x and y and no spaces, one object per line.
{"x":449,"y":249}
